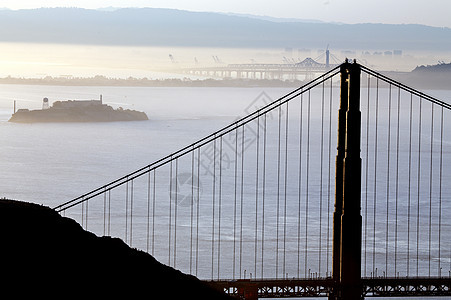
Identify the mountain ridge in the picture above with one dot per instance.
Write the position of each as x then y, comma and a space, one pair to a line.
170, 27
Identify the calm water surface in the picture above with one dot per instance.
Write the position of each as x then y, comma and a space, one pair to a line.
53, 163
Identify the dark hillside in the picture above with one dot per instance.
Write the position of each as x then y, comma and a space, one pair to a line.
44, 254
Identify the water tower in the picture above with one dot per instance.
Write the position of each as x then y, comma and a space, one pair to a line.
45, 103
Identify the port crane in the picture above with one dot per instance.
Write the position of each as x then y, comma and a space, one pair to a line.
172, 59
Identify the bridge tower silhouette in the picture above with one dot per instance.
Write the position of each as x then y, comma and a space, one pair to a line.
248, 207
347, 221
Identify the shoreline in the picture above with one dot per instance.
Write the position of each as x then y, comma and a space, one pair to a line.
419, 80
145, 82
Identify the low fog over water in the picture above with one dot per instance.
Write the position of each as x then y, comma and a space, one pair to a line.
41, 60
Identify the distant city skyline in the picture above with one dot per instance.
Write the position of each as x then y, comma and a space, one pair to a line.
431, 13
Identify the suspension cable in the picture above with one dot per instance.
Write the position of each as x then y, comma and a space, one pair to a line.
202, 142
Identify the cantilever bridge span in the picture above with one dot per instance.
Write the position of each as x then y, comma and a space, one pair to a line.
305, 69
277, 205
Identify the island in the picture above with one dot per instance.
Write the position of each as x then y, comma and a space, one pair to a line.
76, 111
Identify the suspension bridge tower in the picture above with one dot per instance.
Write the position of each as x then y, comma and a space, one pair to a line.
347, 221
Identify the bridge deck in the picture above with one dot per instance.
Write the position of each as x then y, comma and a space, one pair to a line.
321, 287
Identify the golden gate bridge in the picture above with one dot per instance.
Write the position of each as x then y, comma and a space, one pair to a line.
278, 205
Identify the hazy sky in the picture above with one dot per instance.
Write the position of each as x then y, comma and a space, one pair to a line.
430, 12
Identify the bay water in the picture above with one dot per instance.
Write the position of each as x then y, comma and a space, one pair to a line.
53, 163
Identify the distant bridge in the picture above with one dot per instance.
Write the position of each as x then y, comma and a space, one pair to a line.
304, 70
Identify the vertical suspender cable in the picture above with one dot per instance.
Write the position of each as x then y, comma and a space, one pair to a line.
219, 205
418, 185
440, 197
409, 185
213, 209
198, 209
375, 175
300, 185
449, 258
109, 212
131, 212
388, 179
366, 172
285, 193
263, 194
191, 213
148, 212
278, 193
82, 214
170, 213
321, 182
104, 212
397, 181
153, 210
307, 185
235, 203
86, 224
328, 180
256, 197
242, 195
175, 209
430, 185
126, 211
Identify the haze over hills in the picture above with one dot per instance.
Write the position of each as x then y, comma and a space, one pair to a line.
169, 27
275, 19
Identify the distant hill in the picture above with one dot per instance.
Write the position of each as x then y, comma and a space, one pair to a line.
426, 77
169, 27
274, 19
442, 68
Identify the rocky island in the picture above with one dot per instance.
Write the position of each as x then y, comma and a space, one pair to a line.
76, 111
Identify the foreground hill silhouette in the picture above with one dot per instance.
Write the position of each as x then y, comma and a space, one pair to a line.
45, 254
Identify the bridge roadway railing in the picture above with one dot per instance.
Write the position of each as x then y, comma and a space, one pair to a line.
322, 287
